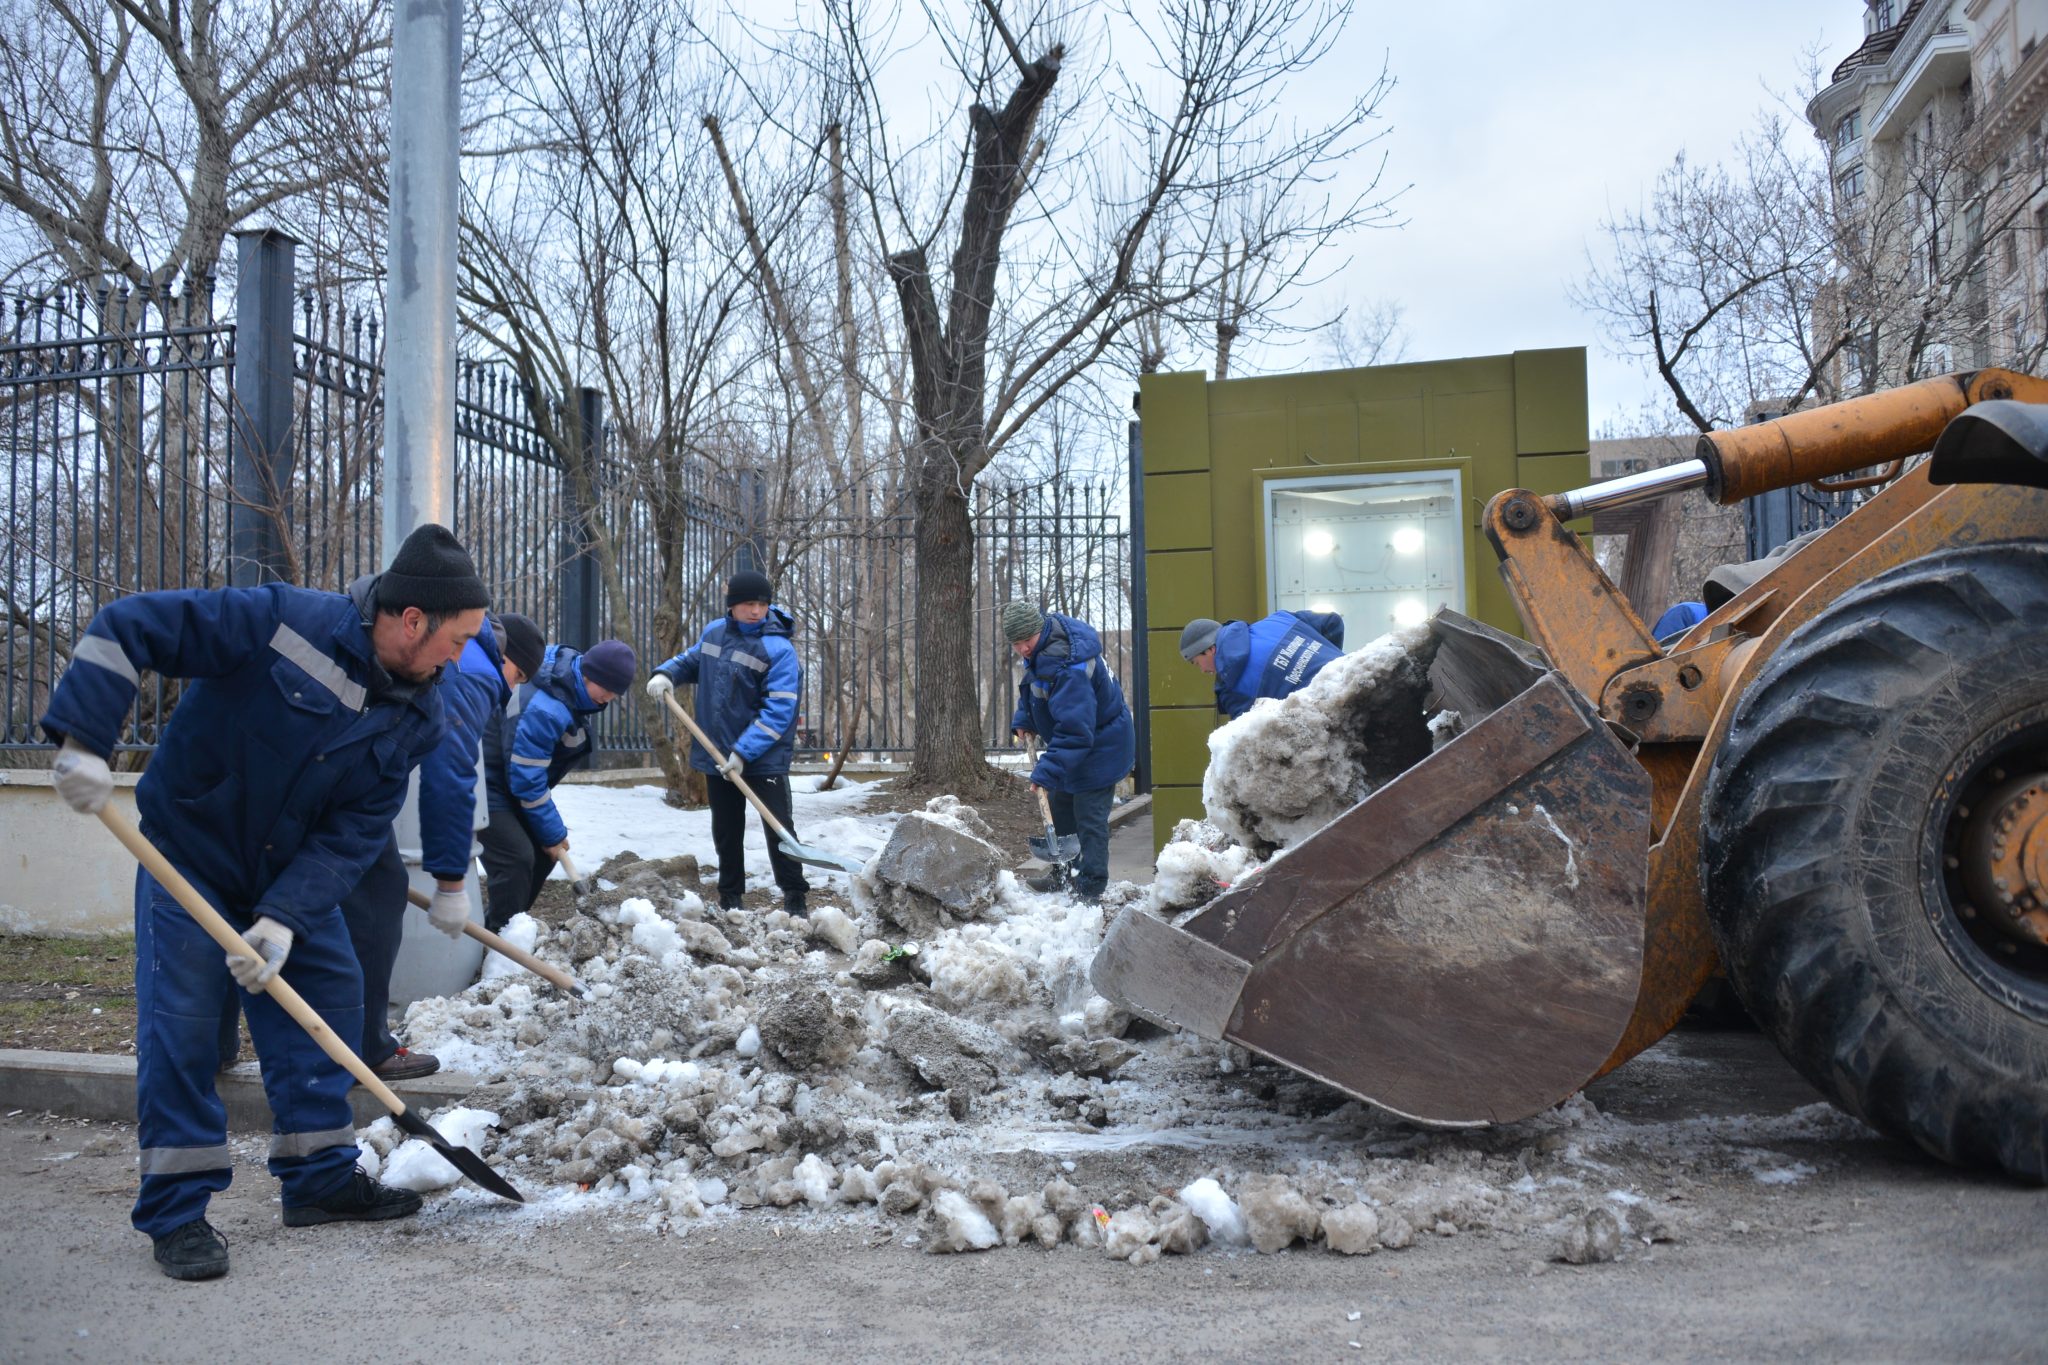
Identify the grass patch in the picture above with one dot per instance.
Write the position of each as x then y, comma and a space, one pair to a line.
68, 994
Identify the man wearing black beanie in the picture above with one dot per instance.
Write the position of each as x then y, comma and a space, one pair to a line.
749, 682
272, 790
430, 580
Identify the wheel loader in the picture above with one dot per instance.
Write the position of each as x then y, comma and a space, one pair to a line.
1833, 790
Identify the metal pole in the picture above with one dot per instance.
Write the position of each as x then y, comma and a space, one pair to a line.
419, 302
264, 279
580, 629
419, 381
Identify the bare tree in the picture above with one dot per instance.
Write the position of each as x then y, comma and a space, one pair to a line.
1765, 283
1069, 222
135, 137
1367, 334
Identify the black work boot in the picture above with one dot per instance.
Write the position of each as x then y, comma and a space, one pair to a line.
794, 904
192, 1251
1046, 883
361, 1200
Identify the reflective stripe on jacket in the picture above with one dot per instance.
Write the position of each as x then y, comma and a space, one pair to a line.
1068, 697
276, 780
749, 682
545, 733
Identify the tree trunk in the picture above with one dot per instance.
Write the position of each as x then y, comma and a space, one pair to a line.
948, 752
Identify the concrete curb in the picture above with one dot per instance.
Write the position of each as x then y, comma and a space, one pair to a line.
89, 1085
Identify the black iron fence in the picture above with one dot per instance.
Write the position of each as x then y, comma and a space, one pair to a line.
141, 456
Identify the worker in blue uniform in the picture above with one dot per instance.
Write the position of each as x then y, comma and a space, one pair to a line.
1269, 658
749, 682
545, 732
474, 691
272, 789
1068, 696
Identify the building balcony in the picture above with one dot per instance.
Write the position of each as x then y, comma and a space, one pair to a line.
1942, 64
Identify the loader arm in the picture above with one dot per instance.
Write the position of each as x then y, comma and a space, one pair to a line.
1675, 703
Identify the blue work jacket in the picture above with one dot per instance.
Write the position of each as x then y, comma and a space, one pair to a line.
545, 733
474, 694
749, 682
1273, 657
1068, 697
278, 776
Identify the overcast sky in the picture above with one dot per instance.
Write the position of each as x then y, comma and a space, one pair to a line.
1521, 125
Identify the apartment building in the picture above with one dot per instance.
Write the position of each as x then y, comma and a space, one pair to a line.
1934, 133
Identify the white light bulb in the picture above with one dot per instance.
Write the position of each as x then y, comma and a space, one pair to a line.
1322, 606
1410, 611
1408, 540
1318, 543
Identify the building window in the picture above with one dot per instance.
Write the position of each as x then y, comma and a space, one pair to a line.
1850, 186
1879, 17
1381, 550
1849, 129
2010, 251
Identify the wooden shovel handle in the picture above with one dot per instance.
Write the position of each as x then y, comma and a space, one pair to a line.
499, 945
712, 749
224, 934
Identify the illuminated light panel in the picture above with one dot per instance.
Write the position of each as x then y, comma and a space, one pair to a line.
1319, 543
1410, 611
1408, 540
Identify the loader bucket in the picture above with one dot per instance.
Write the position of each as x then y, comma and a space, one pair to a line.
1461, 947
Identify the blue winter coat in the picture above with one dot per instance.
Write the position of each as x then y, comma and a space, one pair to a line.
474, 695
1274, 657
1069, 698
278, 776
545, 733
749, 682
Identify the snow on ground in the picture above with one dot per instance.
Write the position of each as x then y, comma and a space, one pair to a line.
977, 1093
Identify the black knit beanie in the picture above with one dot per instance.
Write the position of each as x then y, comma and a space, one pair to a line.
748, 586
432, 572
610, 664
523, 644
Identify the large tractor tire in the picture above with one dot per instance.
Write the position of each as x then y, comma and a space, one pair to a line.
1875, 855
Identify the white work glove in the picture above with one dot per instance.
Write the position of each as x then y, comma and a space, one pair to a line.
448, 911
732, 766
82, 778
272, 942
659, 686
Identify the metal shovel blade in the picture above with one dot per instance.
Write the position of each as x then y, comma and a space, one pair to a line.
1055, 848
1463, 946
818, 857
461, 1158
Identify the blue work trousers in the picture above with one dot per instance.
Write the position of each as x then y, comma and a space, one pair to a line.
181, 975
1086, 814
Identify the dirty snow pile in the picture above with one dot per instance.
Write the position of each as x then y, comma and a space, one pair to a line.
1287, 767
929, 1058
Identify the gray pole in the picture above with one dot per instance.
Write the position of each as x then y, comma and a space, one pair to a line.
419, 384
419, 304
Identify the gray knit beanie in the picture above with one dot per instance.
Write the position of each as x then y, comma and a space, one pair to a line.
1020, 621
1198, 635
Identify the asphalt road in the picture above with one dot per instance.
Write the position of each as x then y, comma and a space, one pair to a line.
1877, 1255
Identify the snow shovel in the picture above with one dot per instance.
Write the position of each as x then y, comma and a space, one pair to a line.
579, 887
803, 853
512, 950
461, 1158
1053, 847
